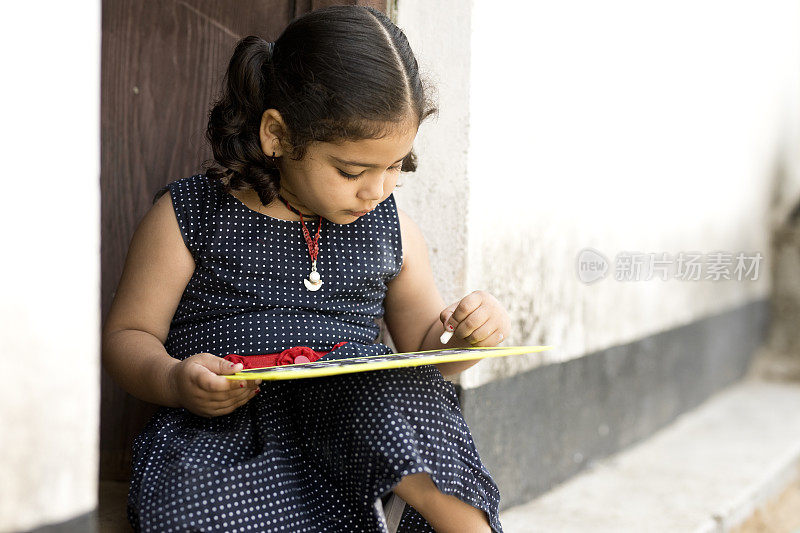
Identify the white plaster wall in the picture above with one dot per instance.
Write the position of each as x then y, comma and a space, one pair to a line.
50, 231
622, 126
437, 195
627, 126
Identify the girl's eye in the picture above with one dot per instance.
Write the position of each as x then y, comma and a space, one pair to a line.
349, 176
355, 176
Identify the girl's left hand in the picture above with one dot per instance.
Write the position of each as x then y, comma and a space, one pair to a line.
478, 318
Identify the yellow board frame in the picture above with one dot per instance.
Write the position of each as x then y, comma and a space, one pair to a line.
296, 371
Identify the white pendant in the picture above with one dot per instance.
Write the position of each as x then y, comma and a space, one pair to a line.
313, 283
312, 286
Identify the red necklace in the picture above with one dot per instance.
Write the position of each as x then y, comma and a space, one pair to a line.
313, 282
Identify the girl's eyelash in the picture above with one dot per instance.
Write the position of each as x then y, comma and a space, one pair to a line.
354, 176
350, 176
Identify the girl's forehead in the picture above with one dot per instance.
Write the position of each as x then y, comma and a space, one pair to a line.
390, 148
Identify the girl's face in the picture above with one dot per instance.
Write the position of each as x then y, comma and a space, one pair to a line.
338, 180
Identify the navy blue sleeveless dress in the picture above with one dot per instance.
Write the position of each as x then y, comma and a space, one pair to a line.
313, 454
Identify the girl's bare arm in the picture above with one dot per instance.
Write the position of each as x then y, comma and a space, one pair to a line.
157, 269
413, 302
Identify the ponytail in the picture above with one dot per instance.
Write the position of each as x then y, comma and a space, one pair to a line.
234, 121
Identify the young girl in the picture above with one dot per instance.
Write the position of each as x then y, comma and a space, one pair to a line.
292, 238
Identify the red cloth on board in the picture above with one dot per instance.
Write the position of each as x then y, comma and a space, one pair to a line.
290, 356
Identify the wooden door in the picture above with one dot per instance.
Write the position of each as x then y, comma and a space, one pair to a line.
162, 64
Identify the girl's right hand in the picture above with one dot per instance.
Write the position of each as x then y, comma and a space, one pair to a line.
202, 390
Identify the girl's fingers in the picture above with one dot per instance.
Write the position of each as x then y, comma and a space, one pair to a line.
494, 339
209, 382
463, 309
214, 384
224, 396
224, 407
447, 312
238, 384
481, 335
471, 324
238, 401
228, 395
243, 383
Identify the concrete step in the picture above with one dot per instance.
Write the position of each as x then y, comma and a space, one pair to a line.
708, 471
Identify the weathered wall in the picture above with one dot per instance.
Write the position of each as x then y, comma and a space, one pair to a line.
437, 195
622, 126
50, 227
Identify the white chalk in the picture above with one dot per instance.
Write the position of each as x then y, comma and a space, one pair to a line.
446, 336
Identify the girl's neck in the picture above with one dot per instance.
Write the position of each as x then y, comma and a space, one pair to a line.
291, 199
275, 209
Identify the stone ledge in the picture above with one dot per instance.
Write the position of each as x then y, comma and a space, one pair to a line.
539, 428
706, 472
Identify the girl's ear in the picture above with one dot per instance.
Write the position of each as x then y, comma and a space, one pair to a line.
271, 131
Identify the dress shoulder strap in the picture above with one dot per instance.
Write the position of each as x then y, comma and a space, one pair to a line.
195, 200
389, 225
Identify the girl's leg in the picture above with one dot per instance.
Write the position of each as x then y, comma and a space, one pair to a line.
444, 512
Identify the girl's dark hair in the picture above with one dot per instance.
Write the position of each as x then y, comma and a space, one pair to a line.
341, 73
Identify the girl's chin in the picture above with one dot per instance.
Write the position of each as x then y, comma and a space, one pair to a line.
341, 219
349, 218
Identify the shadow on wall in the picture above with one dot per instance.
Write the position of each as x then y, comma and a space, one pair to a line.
779, 359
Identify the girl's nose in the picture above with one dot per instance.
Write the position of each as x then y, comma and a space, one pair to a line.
373, 188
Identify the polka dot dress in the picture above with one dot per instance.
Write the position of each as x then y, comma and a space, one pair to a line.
309, 455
